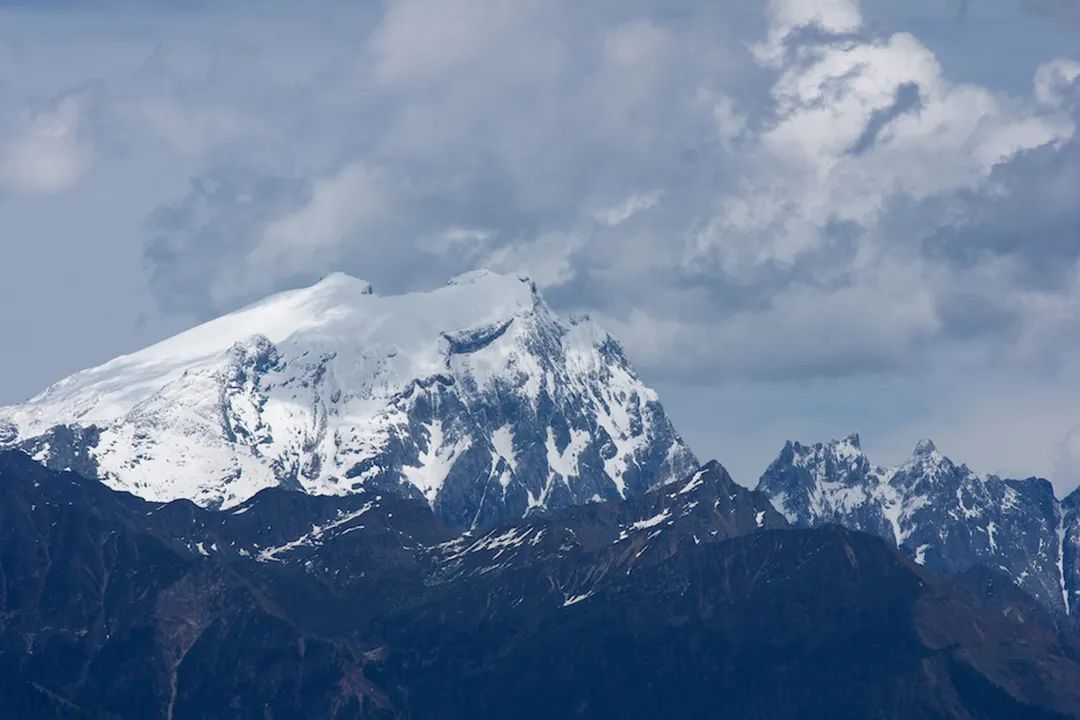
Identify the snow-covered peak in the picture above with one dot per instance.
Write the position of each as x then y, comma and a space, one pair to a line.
846, 452
484, 275
924, 448
946, 516
343, 281
928, 465
848, 447
332, 387
338, 315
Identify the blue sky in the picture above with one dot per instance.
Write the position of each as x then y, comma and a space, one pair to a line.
801, 218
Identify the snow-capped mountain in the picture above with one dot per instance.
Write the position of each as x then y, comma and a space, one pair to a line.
475, 396
942, 514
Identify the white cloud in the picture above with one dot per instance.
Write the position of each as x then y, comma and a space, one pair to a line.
519, 136
48, 154
805, 173
636, 44
1053, 78
546, 259
802, 331
344, 209
192, 129
731, 123
1066, 458
422, 41
621, 212
542, 137
834, 17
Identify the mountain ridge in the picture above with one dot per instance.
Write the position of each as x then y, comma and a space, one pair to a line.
367, 606
942, 514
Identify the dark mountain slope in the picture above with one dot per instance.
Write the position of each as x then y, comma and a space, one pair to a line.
107, 613
780, 624
691, 601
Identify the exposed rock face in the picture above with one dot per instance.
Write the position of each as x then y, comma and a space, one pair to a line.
475, 397
943, 515
672, 604
1070, 549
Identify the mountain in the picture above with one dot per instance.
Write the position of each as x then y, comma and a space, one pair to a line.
705, 508
692, 600
475, 397
943, 515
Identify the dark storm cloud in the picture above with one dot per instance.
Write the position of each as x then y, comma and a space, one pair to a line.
1029, 215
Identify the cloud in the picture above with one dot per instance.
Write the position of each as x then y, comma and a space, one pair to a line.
621, 212
549, 258
346, 208
1067, 459
802, 332
49, 152
198, 239
190, 129
539, 122
862, 127
789, 17
864, 201
908, 99
419, 42
718, 183
1055, 81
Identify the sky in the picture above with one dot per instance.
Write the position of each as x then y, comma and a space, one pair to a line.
801, 218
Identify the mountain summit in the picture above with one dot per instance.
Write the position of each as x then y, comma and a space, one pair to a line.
943, 515
475, 397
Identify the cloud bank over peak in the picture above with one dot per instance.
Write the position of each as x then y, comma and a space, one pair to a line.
775, 194
688, 178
